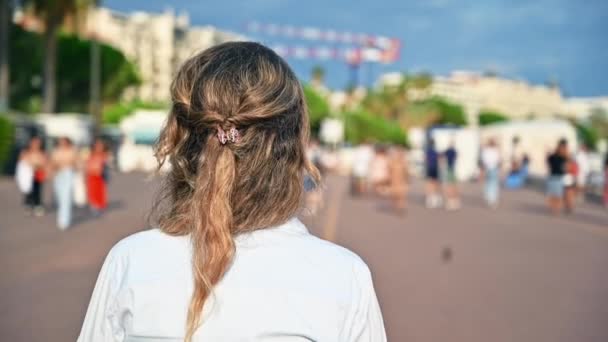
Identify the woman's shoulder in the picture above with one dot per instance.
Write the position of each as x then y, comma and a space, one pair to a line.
146, 243
332, 254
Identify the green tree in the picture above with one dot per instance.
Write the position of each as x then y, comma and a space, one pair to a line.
318, 108
421, 81
392, 101
117, 73
445, 112
361, 125
7, 133
317, 75
53, 13
599, 121
587, 134
488, 117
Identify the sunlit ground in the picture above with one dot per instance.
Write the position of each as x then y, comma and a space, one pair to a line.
515, 274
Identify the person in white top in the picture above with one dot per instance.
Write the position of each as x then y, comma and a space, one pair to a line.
379, 170
362, 159
490, 167
229, 261
584, 168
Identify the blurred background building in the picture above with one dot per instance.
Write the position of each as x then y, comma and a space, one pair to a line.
477, 92
157, 42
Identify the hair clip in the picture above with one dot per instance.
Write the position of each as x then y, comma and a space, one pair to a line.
232, 135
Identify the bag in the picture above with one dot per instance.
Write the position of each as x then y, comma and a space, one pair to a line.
24, 176
568, 180
80, 191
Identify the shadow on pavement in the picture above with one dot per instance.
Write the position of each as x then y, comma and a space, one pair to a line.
83, 215
579, 215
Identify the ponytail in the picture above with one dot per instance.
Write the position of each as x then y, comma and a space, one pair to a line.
213, 246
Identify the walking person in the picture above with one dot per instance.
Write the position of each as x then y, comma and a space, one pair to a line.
431, 163
398, 175
570, 183
63, 162
362, 159
35, 158
490, 167
378, 170
230, 260
556, 163
451, 195
584, 168
96, 174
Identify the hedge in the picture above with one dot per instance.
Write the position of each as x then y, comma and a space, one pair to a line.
318, 108
115, 113
490, 117
361, 125
7, 134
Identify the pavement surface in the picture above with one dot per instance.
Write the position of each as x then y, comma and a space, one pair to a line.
512, 274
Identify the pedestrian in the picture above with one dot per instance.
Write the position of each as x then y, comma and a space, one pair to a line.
97, 176
584, 168
35, 158
80, 182
362, 158
230, 260
431, 162
570, 183
490, 168
398, 174
451, 195
63, 162
378, 173
556, 163
517, 154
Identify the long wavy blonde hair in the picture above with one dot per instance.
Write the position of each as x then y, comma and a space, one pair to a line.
216, 191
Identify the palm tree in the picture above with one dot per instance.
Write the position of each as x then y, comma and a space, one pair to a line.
6, 9
53, 13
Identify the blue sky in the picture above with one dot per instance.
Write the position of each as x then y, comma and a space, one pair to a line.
535, 40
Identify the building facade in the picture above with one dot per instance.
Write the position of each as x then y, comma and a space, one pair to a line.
158, 43
477, 93
583, 107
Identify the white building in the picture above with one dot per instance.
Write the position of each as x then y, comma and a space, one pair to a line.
476, 92
158, 43
581, 107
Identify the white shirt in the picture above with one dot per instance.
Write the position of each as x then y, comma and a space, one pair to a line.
284, 285
362, 159
490, 158
582, 160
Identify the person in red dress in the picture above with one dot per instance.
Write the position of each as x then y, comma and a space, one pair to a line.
96, 182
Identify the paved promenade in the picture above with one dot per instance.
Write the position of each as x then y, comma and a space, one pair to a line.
475, 275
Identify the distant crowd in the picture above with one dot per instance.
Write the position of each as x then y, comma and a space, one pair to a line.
384, 170
79, 176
